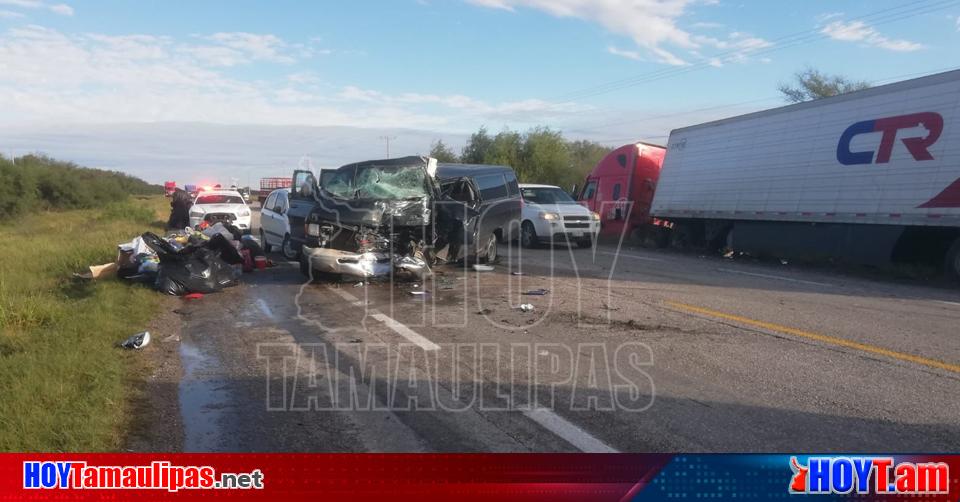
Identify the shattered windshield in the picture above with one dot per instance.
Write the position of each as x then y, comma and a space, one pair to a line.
378, 182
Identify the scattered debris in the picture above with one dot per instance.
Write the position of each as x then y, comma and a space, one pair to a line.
517, 273
482, 268
526, 307
193, 296
358, 285
485, 312
784, 262
536, 292
99, 271
138, 341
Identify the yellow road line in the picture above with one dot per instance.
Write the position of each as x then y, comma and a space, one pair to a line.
832, 340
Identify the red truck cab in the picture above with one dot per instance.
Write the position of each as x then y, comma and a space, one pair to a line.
621, 186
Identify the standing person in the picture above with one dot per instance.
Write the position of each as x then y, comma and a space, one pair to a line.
180, 205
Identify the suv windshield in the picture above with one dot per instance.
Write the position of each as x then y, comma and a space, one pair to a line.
546, 195
219, 199
377, 182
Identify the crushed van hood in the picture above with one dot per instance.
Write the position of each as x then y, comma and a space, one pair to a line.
364, 235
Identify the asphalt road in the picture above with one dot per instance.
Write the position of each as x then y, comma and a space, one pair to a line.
630, 350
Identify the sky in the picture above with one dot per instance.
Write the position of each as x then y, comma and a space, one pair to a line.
134, 86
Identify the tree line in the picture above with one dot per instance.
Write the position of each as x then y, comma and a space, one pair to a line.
36, 182
539, 155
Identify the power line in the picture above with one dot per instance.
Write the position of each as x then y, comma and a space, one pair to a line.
900, 12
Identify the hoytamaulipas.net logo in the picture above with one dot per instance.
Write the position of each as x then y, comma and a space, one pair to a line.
158, 475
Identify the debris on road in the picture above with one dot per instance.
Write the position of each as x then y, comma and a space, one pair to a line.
185, 261
482, 268
517, 273
536, 292
526, 307
138, 341
193, 296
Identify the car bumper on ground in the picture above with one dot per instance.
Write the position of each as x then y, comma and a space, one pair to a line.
334, 261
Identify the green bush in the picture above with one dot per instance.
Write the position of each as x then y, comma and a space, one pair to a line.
36, 182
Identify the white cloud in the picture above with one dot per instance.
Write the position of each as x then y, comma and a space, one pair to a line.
59, 8
50, 77
858, 31
651, 24
9, 14
634, 55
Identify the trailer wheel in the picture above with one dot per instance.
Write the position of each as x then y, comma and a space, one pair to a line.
951, 264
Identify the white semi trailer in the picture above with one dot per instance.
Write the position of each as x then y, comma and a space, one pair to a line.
869, 177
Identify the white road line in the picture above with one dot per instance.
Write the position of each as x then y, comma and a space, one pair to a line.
262, 304
955, 304
632, 256
776, 277
568, 431
406, 332
353, 300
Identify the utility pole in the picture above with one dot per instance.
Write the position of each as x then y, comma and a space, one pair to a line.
387, 140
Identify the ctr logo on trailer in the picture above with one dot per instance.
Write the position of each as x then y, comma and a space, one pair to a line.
916, 145
864, 475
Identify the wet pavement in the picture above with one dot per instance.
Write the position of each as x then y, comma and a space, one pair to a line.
720, 356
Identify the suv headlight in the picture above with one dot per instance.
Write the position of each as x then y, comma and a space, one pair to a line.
550, 216
244, 212
595, 216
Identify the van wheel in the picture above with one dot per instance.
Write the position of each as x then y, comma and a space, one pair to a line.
528, 235
289, 250
305, 265
263, 242
490, 252
951, 264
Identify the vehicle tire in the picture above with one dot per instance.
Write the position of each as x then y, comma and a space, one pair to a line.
305, 265
263, 242
951, 265
490, 250
586, 243
289, 250
528, 235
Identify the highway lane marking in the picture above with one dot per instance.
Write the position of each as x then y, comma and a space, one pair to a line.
570, 433
777, 277
830, 340
397, 326
405, 332
955, 304
352, 300
632, 256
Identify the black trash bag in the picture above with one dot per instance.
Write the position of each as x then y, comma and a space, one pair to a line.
191, 269
222, 246
252, 246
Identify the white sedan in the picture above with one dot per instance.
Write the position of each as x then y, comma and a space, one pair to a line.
551, 215
226, 206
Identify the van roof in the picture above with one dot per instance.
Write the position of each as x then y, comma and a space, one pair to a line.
453, 170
